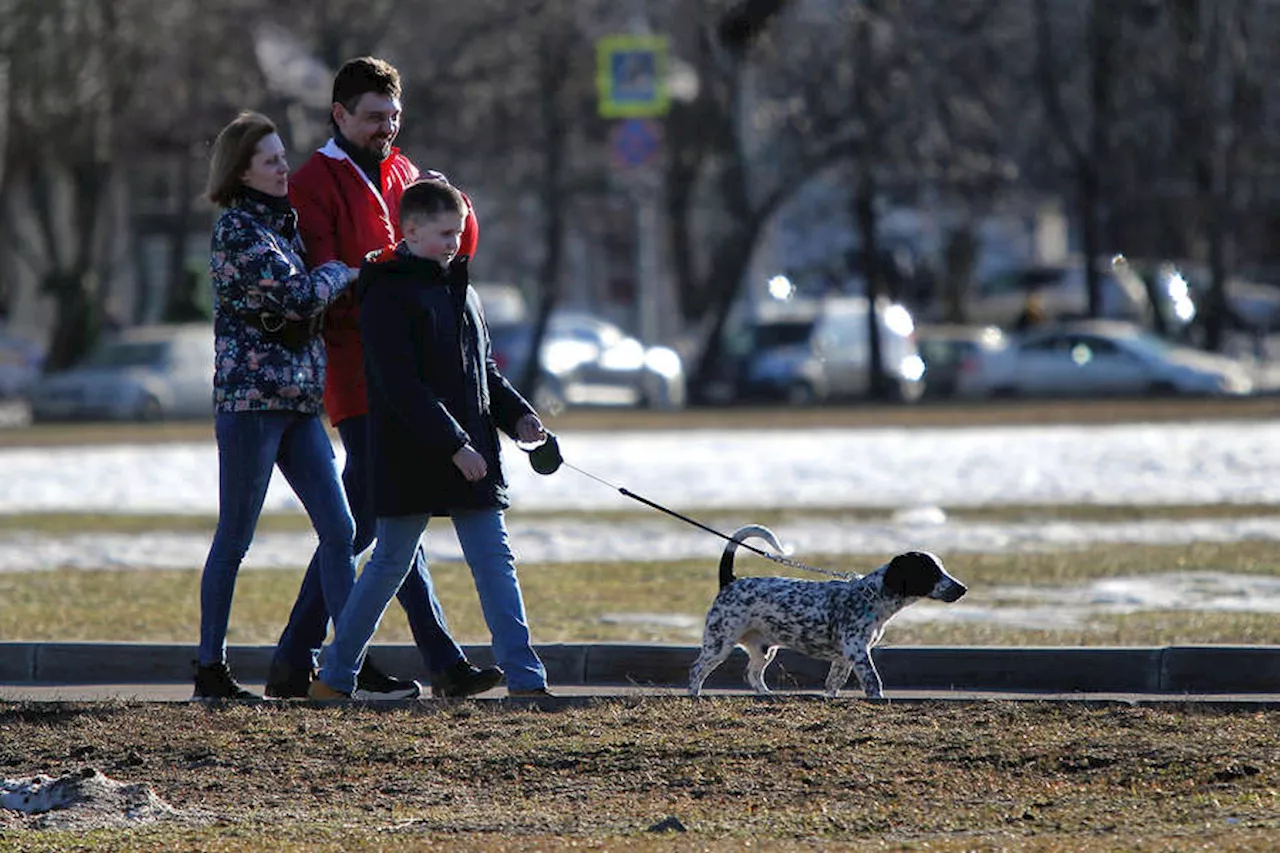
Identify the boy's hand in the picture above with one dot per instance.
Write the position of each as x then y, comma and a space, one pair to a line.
529, 430
470, 463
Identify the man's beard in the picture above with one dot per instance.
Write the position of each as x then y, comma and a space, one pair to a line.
380, 148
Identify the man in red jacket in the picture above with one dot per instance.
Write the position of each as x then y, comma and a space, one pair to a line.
347, 195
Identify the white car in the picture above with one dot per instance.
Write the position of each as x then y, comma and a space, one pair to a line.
588, 361
145, 373
1096, 358
823, 353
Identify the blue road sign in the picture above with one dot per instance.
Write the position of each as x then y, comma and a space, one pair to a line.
636, 142
631, 76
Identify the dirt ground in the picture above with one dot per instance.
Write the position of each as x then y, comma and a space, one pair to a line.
786, 773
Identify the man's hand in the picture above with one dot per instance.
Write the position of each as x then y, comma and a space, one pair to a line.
529, 430
470, 463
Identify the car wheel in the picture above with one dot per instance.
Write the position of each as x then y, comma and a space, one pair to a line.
662, 394
910, 392
801, 394
149, 410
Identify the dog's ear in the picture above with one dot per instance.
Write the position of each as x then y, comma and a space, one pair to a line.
913, 574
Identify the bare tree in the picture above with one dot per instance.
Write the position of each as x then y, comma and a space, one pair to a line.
738, 151
518, 103
869, 87
73, 65
1219, 82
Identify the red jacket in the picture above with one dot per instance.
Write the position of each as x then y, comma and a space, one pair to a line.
342, 217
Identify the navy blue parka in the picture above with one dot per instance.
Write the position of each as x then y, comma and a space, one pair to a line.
433, 386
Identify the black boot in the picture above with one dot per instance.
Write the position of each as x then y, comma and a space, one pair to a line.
288, 682
215, 682
374, 684
463, 679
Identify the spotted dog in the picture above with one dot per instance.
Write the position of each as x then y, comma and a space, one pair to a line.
837, 620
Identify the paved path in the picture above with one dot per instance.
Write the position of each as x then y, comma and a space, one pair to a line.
584, 694
66, 671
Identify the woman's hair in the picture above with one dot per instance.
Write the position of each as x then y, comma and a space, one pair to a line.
430, 196
232, 154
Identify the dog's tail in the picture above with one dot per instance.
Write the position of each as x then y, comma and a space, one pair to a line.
741, 535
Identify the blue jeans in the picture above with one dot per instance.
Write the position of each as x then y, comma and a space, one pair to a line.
483, 536
250, 445
299, 644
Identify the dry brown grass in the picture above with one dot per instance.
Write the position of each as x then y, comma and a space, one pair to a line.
786, 773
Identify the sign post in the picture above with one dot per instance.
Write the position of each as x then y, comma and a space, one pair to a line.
631, 76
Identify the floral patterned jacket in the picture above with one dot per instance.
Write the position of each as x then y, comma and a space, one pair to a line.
257, 266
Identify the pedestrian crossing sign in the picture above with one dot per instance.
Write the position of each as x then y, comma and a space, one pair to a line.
631, 75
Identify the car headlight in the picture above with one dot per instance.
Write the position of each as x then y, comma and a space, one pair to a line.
911, 368
625, 357
898, 320
1235, 383
664, 362
563, 356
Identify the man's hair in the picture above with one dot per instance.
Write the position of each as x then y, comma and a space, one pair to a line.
431, 196
361, 75
232, 154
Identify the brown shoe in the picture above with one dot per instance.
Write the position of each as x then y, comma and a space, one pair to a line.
322, 692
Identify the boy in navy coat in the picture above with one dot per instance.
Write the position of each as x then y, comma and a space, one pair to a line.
436, 403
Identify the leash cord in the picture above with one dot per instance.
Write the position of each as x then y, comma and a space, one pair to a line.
777, 558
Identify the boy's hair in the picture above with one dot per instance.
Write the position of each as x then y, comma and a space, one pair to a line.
430, 196
232, 153
361, 75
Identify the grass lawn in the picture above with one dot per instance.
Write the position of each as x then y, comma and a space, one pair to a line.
606, 601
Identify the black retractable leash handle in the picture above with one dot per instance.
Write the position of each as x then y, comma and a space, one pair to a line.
546, 459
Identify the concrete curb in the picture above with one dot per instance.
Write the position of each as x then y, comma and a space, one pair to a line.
1167, 669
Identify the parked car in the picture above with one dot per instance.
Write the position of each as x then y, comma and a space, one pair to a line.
955, 357
1059, 292
809, 353
21, 361
146, 373
588, 361
1102, 358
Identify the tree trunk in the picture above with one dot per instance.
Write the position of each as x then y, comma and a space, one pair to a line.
181, 305
865, 215
961, 253
723, 281
553, 212
75, 322
1102, 42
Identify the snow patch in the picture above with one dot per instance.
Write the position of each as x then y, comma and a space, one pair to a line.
83, 800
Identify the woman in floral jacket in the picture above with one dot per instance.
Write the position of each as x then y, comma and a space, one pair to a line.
268, 381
